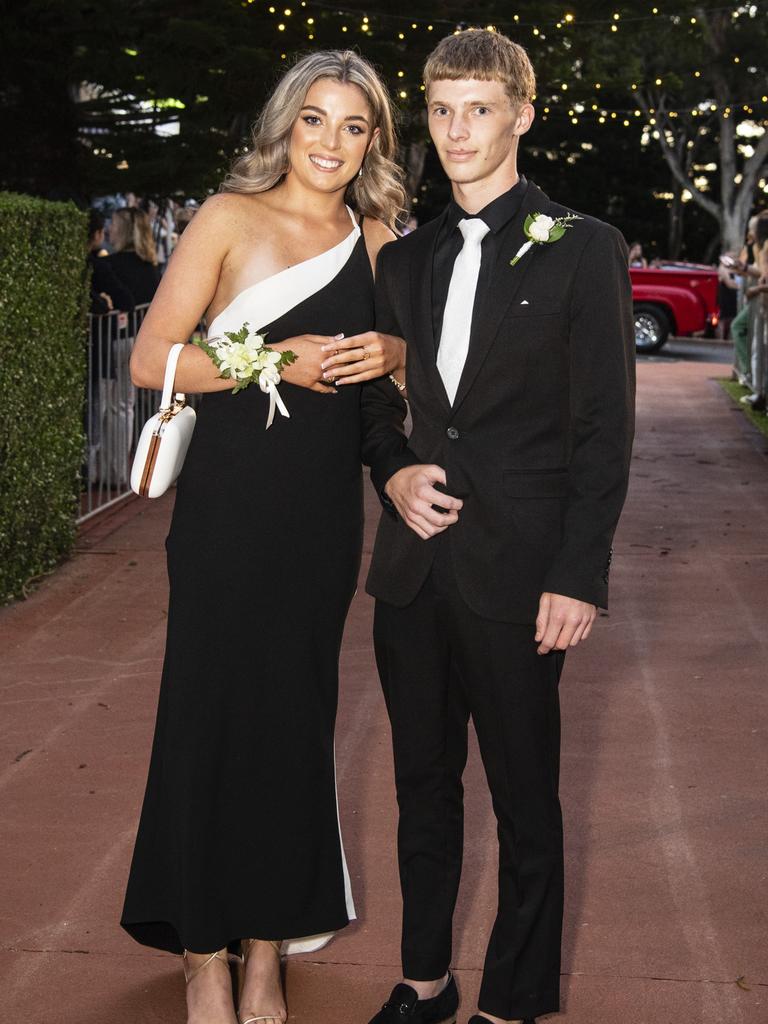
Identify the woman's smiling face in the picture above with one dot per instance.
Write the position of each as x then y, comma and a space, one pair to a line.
331, 135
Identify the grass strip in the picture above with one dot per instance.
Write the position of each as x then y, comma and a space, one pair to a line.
734, 390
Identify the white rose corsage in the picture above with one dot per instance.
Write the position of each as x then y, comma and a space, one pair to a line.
539, 228
243, 357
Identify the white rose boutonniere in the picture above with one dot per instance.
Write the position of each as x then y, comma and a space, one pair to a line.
540, 229
243, 357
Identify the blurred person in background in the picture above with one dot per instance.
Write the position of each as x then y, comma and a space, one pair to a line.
134, 263
107, 291
728, 288
161, 219
107, 294
757, 294
134, 257
183, 217
636, 258
742, 324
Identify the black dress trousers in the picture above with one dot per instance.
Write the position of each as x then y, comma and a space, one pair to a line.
439, 663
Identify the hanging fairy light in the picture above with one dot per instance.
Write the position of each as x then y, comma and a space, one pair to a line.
375, 21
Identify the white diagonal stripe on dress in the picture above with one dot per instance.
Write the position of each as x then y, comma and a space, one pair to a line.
457, 319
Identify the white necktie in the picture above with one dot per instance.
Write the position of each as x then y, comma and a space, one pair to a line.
457, 319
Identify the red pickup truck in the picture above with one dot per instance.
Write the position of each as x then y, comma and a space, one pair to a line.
673, 299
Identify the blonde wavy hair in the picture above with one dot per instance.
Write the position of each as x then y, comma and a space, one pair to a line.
377, 192
131, 231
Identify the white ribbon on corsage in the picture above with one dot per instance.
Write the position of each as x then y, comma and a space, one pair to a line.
268, 380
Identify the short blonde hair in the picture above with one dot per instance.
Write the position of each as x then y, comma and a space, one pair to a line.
486, 55
378, 192
131, 231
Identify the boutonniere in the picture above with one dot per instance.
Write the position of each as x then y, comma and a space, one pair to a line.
539, 229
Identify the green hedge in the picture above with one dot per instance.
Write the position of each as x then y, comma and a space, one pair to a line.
43, 305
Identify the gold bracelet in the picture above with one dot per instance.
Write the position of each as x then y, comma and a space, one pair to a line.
396, 382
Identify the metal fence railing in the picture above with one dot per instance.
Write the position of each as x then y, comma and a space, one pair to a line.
115, 410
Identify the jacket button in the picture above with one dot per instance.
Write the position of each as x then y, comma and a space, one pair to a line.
453, 433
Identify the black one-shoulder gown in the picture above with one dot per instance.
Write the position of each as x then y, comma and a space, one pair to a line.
239, 833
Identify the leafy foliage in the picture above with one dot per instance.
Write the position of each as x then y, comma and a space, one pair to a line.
43, 291
244, 357
87, 89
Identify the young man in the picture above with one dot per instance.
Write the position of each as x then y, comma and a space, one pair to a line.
494, 548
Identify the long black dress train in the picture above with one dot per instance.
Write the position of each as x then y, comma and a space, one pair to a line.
239, 832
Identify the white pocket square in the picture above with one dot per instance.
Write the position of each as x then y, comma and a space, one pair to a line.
525, 302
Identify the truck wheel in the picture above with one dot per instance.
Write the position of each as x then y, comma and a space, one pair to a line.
651, 327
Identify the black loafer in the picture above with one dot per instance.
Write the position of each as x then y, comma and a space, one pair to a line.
404, 1005
477, 1019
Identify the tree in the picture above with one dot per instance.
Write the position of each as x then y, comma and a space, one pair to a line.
699, 78
160, 99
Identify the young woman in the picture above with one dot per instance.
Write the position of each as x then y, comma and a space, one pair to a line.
239, 839
134, 256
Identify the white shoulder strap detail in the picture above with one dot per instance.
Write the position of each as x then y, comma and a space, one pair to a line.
170, 374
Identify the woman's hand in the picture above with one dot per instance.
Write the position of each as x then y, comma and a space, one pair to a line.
363, 357
307, 371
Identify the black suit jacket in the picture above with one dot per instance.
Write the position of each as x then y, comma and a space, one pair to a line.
537, 443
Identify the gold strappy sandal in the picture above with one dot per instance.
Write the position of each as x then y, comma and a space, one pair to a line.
246, 946
192, 972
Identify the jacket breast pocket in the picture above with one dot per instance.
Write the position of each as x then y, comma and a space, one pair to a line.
535, 484
533, 310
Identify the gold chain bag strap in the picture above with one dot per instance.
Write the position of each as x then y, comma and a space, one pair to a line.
164, 438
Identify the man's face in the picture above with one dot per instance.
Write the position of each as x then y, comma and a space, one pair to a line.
474, 127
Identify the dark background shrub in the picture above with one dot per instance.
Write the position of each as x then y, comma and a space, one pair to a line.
43, 287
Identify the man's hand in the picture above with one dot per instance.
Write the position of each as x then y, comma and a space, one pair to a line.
413, 493
562, 622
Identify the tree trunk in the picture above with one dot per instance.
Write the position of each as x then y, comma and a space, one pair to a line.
676, 215
733, 229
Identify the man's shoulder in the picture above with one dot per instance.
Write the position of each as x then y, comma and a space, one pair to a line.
592, 227
402, 248
591, 223
587, 237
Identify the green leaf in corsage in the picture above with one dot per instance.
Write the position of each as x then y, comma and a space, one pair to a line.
243, 357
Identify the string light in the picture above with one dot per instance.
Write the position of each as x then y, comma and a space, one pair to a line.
569, 18
568, 21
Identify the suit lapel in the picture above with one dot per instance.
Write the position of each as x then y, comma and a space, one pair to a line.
420, 280
503, 287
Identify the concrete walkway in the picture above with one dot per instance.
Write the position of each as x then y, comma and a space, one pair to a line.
664, 765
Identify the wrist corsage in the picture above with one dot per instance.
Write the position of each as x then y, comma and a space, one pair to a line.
243, 357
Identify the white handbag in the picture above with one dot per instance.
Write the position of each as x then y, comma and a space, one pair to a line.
164, 438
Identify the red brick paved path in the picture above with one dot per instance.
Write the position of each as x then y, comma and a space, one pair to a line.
664, 765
